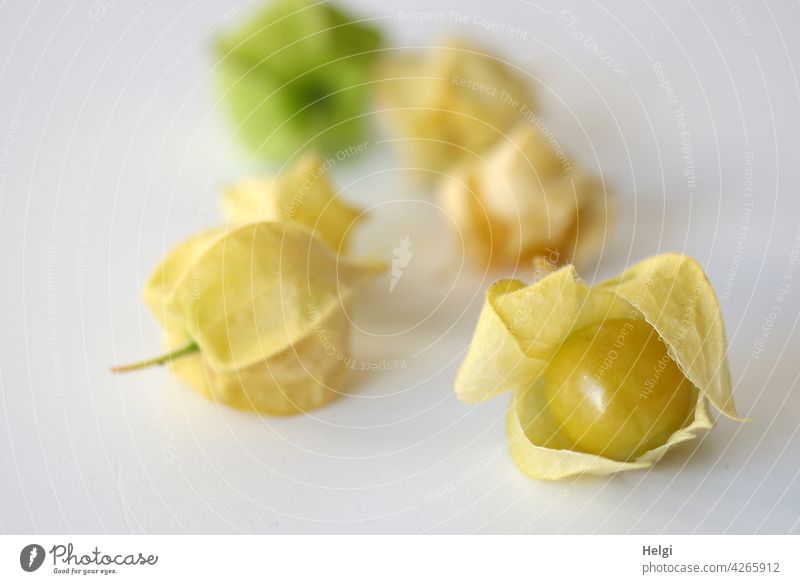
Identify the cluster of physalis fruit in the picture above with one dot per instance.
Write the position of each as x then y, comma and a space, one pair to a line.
604, 378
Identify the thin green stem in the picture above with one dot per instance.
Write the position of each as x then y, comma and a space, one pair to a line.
187, 349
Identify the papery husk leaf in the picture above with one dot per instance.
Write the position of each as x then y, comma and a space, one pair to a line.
440, 121
255, 292
523, 201
303, 194
674, 295
302, 377
518, 328
494, 363
172, 269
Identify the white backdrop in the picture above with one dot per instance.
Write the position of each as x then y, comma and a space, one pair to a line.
113, 148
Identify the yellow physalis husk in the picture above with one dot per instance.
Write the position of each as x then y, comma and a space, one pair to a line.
451, 102
266, 305
521, 327
303, 194
524, 200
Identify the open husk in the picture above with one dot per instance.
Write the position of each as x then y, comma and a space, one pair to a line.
522, 326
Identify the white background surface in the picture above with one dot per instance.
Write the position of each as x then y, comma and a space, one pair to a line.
113, 149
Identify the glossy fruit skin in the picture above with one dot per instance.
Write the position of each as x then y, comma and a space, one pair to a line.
614, 391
